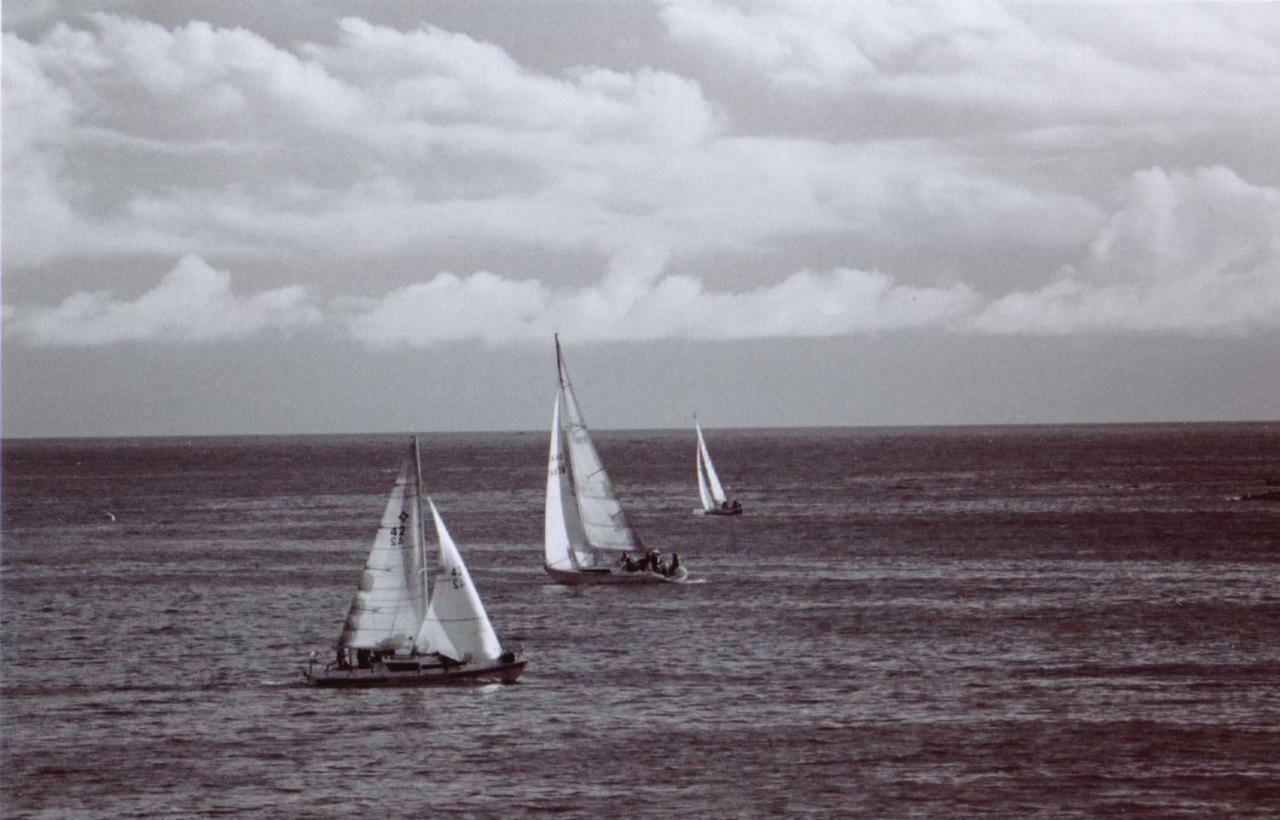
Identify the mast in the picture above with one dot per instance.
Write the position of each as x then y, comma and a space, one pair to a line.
561, 375
422, 525
570, 484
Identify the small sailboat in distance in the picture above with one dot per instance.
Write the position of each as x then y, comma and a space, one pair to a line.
403, 629
587, 537
710, 491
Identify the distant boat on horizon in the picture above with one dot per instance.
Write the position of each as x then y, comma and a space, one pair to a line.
401, 629
587, 537
710, 491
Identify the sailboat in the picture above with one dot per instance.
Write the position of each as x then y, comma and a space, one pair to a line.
710, 491
587, 539
410, 624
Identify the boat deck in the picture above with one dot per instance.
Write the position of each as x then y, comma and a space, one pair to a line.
413, 673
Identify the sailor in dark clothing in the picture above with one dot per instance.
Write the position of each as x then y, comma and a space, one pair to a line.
675, 563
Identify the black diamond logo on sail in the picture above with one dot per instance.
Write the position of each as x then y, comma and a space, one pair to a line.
404, 516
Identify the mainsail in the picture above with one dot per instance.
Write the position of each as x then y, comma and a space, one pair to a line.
709, 489
391, 600
602, 520
456, 624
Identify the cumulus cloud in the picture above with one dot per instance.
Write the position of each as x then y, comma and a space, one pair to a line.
134, 137
637, 300
1182, 252
192, 303
124, 136
1195, 252
793, 46
200, 139
1040, 62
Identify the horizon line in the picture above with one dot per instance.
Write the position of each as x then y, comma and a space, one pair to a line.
527, 431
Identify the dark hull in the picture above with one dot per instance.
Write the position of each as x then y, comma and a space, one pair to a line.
717, 511
611, 576
434, 675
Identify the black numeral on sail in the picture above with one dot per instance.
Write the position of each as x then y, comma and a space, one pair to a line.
397, 533
457, 579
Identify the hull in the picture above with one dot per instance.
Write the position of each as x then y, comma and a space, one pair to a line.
610, 576
718, 511
413, 675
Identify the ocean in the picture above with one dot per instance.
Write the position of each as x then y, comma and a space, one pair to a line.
1070, 621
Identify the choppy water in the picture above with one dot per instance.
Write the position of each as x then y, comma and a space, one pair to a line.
1072, 621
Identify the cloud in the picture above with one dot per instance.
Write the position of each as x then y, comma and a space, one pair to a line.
133, 137
192, 303
1039, 62
790, 45
637, 301
962, 147
207, 140
1196, 252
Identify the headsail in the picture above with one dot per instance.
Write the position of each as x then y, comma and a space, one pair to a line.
562, 534
391, 600
604, 523
456, 624
713, 480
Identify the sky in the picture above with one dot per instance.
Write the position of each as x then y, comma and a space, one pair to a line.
312, 216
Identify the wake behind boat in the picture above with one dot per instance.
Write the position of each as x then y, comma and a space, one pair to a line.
405, 630
710, 491
587, 539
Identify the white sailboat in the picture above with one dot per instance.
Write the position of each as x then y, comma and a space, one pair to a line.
404, 630
587, 538
710, 491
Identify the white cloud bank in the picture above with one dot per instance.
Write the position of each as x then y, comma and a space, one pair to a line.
633, 304
635, 300
192, 303
1048, 61
1197, 252
127, 137
1194, 252
1008, 124
130, 137
1191, 252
